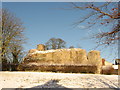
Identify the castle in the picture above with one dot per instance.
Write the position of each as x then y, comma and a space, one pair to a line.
74, 57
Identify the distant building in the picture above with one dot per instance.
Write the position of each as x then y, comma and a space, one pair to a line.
117, 61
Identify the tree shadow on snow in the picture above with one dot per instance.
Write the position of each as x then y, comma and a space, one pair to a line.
52, 84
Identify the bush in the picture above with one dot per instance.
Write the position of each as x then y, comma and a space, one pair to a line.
60, 68
108, 69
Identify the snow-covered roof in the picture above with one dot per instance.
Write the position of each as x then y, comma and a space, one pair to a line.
115, 66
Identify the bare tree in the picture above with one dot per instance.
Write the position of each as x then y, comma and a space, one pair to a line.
55, 43
71, 47
12, 37
102, 14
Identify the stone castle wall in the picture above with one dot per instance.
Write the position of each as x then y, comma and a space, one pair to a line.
63, 56
73, 58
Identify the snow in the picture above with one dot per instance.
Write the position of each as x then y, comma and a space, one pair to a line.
115, 66
48, 51
57, 50
63, 80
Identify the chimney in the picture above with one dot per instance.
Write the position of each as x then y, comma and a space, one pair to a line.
103, 61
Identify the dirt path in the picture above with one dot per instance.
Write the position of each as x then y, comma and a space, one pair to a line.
56, 80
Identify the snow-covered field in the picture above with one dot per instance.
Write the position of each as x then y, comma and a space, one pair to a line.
56, 80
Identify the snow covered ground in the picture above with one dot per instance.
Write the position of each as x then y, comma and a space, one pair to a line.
56, 80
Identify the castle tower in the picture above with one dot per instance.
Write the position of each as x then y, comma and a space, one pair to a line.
41, 47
